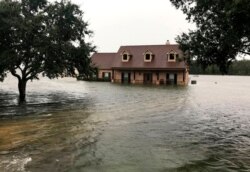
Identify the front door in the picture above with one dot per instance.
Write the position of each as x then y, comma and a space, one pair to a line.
106, 76
125, 77
147, 78
171, 78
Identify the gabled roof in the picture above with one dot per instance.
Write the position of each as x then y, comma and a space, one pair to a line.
137, 52
159, 61
103, 60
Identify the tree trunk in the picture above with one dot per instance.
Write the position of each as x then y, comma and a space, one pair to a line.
22, 90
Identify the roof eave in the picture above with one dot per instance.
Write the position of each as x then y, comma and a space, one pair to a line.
138, 68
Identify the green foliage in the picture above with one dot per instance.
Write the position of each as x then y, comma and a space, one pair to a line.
42, 37
223, 31
38, 37
241, 67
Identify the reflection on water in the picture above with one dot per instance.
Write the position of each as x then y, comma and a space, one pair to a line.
87, 126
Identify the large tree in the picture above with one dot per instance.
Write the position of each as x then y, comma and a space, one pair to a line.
38, 38
223, 31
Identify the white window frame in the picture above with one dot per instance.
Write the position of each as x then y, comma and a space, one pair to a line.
128, 56
151, 56
168, 56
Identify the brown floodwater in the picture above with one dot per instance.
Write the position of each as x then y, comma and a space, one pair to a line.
69, 125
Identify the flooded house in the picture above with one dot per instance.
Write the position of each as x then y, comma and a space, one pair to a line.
143, 64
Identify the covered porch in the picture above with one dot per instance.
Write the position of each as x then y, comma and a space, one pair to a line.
157, 77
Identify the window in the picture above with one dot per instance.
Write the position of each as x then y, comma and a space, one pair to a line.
172, 56
148, 56
125, 56
106, 75
171, 76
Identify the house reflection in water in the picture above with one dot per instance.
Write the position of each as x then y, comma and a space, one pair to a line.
143, 64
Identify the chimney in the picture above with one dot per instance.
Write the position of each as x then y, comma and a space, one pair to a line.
168, 42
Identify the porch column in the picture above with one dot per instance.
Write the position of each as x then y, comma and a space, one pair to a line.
184, 76
133, 77
112, 78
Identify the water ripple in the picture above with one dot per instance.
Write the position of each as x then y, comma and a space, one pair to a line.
86, 126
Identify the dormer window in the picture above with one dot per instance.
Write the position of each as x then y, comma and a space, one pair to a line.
172, 56
148, 56
125, 56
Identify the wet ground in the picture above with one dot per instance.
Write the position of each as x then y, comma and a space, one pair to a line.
87, 126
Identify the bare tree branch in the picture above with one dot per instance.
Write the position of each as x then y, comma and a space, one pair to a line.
13, 72
243, 52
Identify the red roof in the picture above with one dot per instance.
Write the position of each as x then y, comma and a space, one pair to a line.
103, 60
159, 62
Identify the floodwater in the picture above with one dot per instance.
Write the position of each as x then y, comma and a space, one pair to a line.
69, 125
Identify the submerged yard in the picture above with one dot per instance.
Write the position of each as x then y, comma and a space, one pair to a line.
89, 126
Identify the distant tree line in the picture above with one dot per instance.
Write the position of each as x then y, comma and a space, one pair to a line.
241, 67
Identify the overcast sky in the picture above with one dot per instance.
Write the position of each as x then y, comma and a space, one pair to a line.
132, 22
